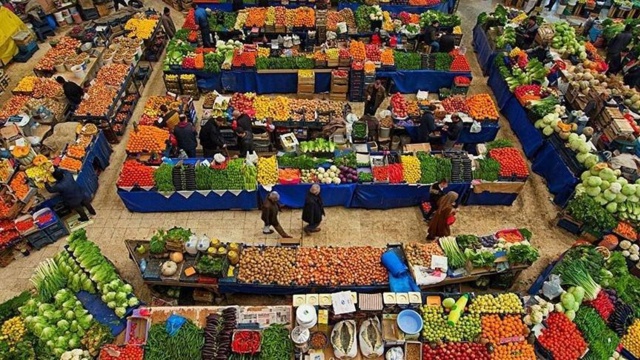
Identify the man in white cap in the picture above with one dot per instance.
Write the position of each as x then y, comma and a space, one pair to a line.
270, 210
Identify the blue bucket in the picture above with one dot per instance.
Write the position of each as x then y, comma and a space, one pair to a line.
410, 322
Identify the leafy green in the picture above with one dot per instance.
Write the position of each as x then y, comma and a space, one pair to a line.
596, 219
302, 162
443, 61
540, 108
468, 241
157, 242
499, 143
277, 63
9, 308
211, 265
522, 254
407, 60
480, 258
602, 340
163, 177
591, 259
488, 169
446, 20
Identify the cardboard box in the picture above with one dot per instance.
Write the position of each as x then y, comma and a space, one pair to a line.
415, 148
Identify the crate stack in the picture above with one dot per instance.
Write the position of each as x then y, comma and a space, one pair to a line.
184, 177
306, 84
49, 229
172, 83
427, 62
339, 86
27, 45
321, 26
356, 85
189, 86
369, 79
619, 129
262, 142
4, 81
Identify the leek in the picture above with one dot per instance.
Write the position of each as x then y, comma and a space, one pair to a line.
455, 257
574, 274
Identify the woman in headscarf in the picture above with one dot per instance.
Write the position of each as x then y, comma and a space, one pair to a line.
440, 224
313, 210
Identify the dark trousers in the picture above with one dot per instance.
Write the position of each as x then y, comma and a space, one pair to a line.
278, 228
190, 152
80, 209
615, 63
311, 227
204, 29
117, 3
550, 4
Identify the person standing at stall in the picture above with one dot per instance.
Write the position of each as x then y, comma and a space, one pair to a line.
427, 124
245, 141
375, 94
527, 33
447, 43
168, 119
185, 135
72, 91
444, 217
211, 139
72, 194
202, 19
313, 210
616, 46
431, 36
270, 210
453, 131
436, 192
167, 23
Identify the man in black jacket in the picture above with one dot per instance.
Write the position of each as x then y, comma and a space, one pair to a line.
453, 131
72, 91
72, 194
211, 139
431, 36
616, 46
313, 210
427, 124
245, 141
185, 135
436, 192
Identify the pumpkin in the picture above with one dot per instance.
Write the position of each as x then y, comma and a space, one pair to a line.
564, 127
176, 257
20, 151
169, 268
39, 160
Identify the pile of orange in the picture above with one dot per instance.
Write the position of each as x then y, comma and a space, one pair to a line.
481, 106
71, 164
514, 351
76, 151
495, 329
147, 139
357, 50
256, 17
19, 185
386, 57
305, 17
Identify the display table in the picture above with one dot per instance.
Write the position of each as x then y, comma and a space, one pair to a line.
389, 196
446, 7
560, 180
488, 133
286, 81
293, 196
153, 201
498, 193
484, 52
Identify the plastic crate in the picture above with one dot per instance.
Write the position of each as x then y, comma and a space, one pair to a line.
38, 240
58, 234
27, 48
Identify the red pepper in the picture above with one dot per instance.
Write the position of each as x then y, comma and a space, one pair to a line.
395, 173
246, 342
603, 305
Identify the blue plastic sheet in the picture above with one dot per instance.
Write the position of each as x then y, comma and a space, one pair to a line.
151, 201
489, 132
386, 196
500, 89
530, 138
484, 52
490, 198
227, 6
412, 81
444, 7
293, 196
102, 313
560, 179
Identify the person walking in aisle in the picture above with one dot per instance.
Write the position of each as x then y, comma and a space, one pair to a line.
185, 135
117, 3
202, 19
167, 23
616, 46
444, 217
270, 210
313, 210
210, 137
72, 194
375, 94
436, 192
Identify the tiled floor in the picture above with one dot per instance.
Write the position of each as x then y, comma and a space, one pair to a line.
342, 227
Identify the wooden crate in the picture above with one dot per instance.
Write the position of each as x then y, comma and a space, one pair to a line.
344, 62
332, 62
339, 89
306, 88
338, 97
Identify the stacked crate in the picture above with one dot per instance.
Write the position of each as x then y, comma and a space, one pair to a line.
172, 83
306, 85
339, 87
356, 85
189, 86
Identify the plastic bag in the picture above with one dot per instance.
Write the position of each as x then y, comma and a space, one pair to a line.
371, 329
476, 127
342, 27
174, 323
251, 157
551, 288
395, 353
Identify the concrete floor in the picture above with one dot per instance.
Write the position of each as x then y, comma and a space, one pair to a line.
342, 227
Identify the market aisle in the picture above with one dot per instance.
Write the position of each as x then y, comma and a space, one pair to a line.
114, 223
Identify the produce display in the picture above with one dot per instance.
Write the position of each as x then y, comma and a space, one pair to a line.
66, 47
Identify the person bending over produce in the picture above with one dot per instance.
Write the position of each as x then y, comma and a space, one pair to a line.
270, 210
72, 194
210, 137
169, 118
431, 36
527, 33
616, 46
241, 120
444, 217
72, 91
245, 141
203, 23
185, 135
375, 95
167, 23
313, 210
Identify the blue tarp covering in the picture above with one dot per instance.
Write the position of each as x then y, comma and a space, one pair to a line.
385, 196
530, 138
151, 201
500, 88
293, 196
489, 132
484, 52
411, 81
444, 7
560, 179
489, 198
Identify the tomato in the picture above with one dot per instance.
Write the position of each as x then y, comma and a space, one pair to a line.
562, 338
511, 162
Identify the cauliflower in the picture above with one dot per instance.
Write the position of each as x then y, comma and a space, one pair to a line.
625, 244
615, 188
634, 257
634, 249
626, 253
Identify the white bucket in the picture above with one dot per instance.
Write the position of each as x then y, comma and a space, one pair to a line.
65, 12
60, 67
560, 9
58, 16
78, 71
68, 19
306, 316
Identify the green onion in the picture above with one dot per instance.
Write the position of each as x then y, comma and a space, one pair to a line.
455, 257
574, 274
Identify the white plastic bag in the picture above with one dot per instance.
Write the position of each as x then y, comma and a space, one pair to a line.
341, 350
395, 353
370, 330
342, 27
476, 127
251, 158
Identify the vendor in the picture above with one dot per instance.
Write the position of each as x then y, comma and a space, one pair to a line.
616, 46
431, 36
540, 52
210, 137
447, 43
72, 194
72, 91
527, 33
427, 124
631, 72
203, 23
169, 118
167, 23
245, 141
237, 5
453, 131
185, 134
241, 120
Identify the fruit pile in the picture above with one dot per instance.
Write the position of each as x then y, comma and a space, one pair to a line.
399, 106
514, 351
357, 50
147, 139
380, 173
13, 106
436, 327
460, 63
190, 21
152, 108
267, 170
140, 28
46, 88
243, 102
562, 338
454, 104
340, 266
134, 173
411, 169
98, 101
631, 341
26, 84
71, 164
508, 303
511, 162
495, 329
66, 47
19, 185
76, 151
482, 107
256, 17
395, 173
455, 351
244, 58
304, 17
113, 74
387, 57
372, 52
275, 108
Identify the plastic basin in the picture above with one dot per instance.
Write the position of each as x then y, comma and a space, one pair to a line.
410, 322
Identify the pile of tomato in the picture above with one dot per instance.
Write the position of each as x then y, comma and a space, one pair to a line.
460, 63
127, 352
562, 338
456, 351
25, 225
511, 162
395, 173
134, 173
380, 173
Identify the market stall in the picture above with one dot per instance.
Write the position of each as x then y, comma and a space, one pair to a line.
446, 7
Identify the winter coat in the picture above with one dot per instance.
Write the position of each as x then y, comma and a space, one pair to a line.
270, 210
71, 193
210, 136
186, 136
313, 209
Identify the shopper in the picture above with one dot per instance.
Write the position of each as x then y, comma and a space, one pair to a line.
313, 210
427, 124
444, 217
436, 192
169, 118
185, 135
245, 141
72, 91
447, 43
210, 137
453, 131
270, 210
375, 95
241, 120
527, 33
616, 46
431, 36
203, 23
167, 23
72, 194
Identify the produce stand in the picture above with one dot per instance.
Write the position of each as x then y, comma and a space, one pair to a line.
446, 7
153, 201
227, 6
